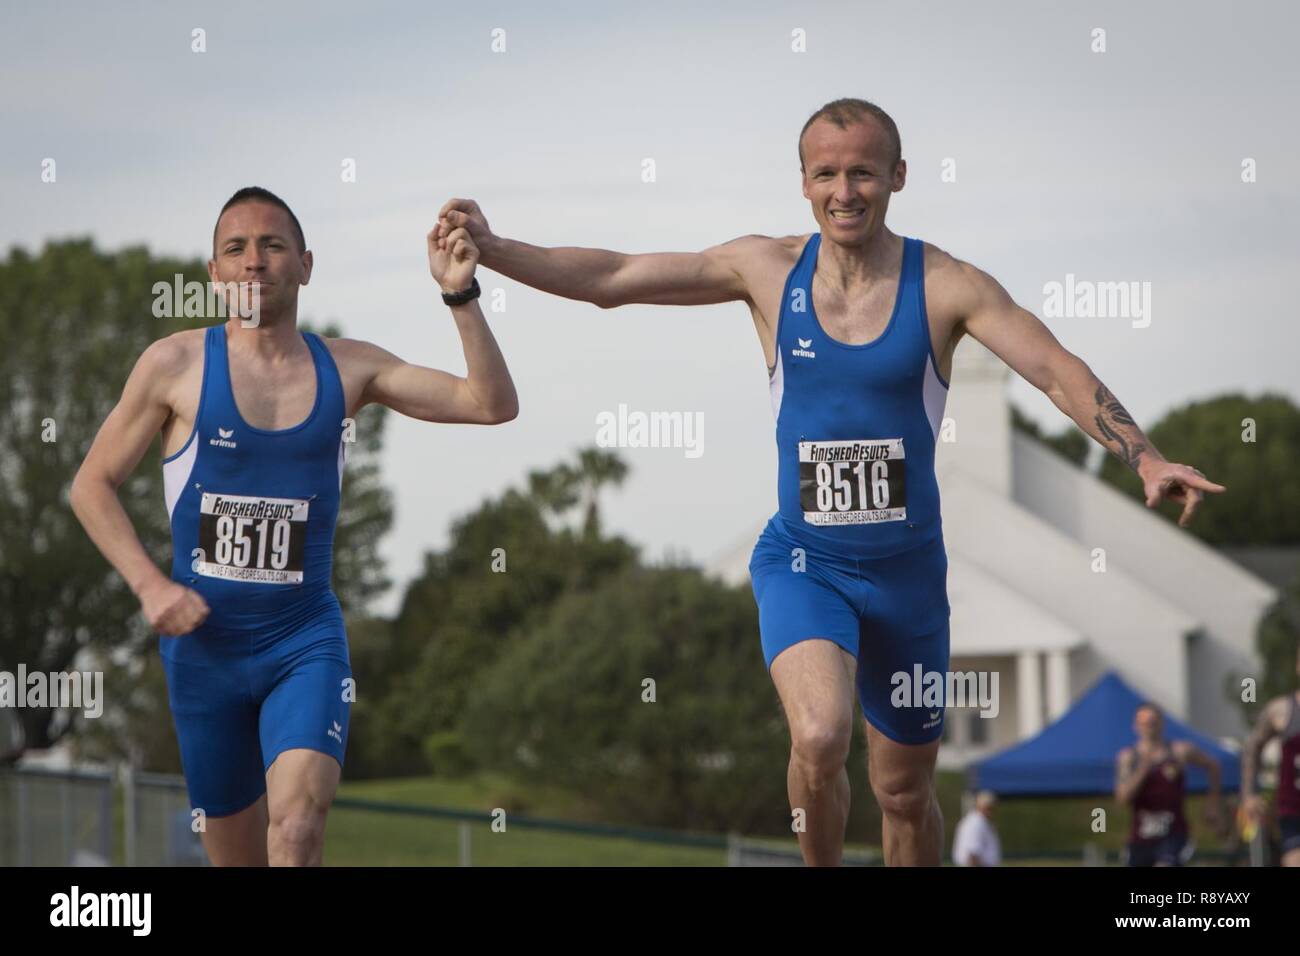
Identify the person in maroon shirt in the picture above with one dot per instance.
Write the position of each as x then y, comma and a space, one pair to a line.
1151, 776
1281, 718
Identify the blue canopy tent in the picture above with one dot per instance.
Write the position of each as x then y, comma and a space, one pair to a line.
1075, 755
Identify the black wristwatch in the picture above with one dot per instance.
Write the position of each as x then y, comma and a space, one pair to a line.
460, 298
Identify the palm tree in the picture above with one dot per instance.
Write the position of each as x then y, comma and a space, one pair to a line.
596, 469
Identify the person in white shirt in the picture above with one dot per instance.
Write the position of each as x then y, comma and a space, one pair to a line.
976, 841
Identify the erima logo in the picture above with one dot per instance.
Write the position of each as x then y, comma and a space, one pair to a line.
223, 441
336, 732
802, 350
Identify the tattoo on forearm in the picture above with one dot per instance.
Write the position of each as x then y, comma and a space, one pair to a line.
1116, 425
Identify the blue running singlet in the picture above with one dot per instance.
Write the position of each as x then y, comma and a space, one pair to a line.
856, 424
855, 551
252, 518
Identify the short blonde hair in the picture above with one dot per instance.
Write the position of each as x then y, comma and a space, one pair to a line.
845, 113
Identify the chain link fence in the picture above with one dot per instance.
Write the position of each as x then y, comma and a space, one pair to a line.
158, 825
54, 818
102, 818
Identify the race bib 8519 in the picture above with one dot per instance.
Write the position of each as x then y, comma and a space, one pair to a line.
852, 482
251, 538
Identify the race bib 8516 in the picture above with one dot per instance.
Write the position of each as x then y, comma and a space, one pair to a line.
251, 538
852, 482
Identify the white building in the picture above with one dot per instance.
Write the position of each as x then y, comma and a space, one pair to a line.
1055, 578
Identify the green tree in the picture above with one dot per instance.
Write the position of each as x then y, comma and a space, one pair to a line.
73, 320
596, 470
1247, 444
568, 703
1277, 638
505, 563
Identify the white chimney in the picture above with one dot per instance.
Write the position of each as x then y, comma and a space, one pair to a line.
976, 433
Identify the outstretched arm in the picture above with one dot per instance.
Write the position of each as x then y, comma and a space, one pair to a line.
485, 396
1018, 338
604, 278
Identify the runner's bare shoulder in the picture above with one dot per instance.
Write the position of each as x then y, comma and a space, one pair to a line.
169, 360
769, 250
760, 259
357, 354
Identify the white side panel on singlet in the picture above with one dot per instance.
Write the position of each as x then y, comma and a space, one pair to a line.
343, 456
177, 472
936, 396
776, 383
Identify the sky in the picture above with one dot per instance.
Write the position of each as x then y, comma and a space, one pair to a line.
1122, 164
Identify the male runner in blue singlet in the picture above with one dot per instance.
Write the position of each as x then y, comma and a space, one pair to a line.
858, 326
254, 419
